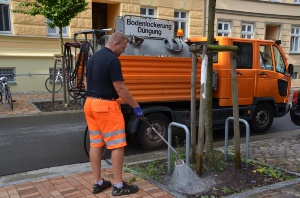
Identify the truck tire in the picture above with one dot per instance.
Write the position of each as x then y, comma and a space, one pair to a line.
147, 138
263, 117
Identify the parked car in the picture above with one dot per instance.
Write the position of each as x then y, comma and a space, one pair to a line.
295, 108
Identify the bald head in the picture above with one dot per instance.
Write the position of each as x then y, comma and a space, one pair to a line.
117, 43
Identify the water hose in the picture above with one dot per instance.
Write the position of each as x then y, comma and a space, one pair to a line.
178, 162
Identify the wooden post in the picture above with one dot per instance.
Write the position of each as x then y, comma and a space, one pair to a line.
236, 120
193, 106
197, 48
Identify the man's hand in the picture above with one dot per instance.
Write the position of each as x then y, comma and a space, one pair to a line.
138, 112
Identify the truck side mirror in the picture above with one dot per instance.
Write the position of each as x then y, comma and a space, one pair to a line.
291, 69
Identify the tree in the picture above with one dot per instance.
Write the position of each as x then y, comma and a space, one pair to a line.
59, 12
209, 86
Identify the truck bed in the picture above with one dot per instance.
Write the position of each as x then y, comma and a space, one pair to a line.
157, 79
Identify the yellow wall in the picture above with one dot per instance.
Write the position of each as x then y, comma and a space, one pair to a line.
29, 50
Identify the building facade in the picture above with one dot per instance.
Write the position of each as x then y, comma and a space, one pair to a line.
262, 19
28, 45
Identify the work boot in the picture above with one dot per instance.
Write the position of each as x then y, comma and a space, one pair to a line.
124, 190
99, 188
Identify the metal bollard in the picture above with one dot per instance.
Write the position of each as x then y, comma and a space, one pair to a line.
247, 138
187, 152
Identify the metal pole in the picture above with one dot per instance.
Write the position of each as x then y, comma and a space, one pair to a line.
187, 149
247, 138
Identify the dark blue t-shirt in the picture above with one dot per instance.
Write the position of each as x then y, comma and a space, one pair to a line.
102, 69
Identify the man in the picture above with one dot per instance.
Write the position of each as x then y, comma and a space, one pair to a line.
105, 84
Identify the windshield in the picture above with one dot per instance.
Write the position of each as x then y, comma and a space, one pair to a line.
279, 62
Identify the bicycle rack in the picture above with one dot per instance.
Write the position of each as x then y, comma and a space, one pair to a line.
187, 150
247, 138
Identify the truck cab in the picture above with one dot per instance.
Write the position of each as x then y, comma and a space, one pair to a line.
263, 79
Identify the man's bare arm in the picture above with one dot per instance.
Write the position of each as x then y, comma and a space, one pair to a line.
124, 93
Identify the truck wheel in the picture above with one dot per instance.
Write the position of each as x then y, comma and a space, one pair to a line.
147, 138
262, 118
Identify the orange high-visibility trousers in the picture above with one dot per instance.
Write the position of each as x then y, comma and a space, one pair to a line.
105, 123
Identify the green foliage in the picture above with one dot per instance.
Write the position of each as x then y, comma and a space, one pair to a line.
60, 12
154, 169
270, 171
226, 189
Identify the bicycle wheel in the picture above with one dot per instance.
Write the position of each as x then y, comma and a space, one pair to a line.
49, 84
9, 99
87, 144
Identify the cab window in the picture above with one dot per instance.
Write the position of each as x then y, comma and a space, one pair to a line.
244, 55
265, 55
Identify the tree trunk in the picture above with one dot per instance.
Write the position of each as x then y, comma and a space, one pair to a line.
236, 122
209, 88
61, 41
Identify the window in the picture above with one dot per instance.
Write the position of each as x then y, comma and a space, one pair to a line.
279, 63
295, 40
297, 1
55, 31
6, 72
58, 69
223, 28
5, 16
180, 21
266, 57
247, 30
148, 12
275, 0
244, 55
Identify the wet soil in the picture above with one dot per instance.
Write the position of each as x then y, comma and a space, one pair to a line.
49, 106
222, 180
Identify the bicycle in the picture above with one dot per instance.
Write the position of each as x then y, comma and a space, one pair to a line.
5, 94
70, 84
58, 82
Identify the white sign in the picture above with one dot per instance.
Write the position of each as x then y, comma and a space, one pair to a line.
148, 27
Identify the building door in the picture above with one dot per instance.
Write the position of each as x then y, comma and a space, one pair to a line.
99, 15
272, 32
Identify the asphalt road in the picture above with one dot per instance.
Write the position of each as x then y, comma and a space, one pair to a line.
36, 142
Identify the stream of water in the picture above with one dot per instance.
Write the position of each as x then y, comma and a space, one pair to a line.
185, 180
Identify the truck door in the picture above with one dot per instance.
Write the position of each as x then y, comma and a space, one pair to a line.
271, 79
245, 73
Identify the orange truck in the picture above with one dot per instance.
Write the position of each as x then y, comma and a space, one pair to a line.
157, 71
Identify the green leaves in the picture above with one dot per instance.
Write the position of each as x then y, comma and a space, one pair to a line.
60, 12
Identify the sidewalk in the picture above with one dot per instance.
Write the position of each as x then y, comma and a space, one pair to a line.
76, 180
